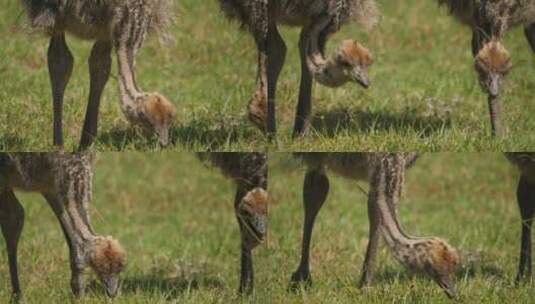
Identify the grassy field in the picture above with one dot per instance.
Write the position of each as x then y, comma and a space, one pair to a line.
467, 199
173, 215
424, 92
182, 238
208, 71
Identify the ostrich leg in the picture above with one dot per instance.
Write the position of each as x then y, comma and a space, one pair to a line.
315, 190
526, 203
99, 72
11, 222
311, 40
373, 243
60, 63
276, 57
529, 32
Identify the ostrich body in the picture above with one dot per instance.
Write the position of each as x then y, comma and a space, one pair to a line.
65, 181
489, 20
249, 171
119, 25
318, 19
385, 174
526, 203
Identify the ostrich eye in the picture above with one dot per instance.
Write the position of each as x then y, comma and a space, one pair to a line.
345, 64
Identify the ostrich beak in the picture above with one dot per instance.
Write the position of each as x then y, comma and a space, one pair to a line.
163, 135
361, 77
494, 85
111, 285
256, 226
447, 285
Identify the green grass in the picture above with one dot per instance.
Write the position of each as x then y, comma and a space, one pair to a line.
424, 93
173, 215
208, 71
175, 218
467, 199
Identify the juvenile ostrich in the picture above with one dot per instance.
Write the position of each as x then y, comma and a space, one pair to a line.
253, 16
526, 203
249, 171
385, 173
318, 19
65, 180
121, 25
489, 20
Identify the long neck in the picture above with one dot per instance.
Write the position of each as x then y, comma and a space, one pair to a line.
70, 202
386, 187
324, 71
81, 229
76, 210
131, 95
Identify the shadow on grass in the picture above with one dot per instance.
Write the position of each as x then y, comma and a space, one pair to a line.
156, 283
470, 268
331, 122
210, 135
11, 142
488, 271
171, 287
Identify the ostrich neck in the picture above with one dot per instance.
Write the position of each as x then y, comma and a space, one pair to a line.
71, 209
386, 190
324, 71
130, 93
392, 232
77, 215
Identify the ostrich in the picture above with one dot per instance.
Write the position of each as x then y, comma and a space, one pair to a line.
119, 25
249, 171
253, 16
526, 203
65, 181
385, 173
318, 19
489, 20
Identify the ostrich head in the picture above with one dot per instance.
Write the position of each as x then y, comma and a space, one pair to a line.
439, 260
155, 113
350, 62
252, 213
492, 64
107, 259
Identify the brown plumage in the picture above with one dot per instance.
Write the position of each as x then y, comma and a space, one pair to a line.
493, 57
108, 256
354, 51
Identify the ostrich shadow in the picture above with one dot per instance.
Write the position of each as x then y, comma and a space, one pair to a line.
486, 270
171, 287
11, 142
332, 122
469, 269
211, 134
